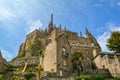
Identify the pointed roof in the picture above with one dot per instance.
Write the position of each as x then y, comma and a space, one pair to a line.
87, 32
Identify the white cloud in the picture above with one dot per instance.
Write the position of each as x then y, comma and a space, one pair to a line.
7, 55
6, 14
102, 40
34, 25
113, 27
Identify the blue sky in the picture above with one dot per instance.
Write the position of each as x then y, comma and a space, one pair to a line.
20, 17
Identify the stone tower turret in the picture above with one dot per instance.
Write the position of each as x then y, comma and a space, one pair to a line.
87, 33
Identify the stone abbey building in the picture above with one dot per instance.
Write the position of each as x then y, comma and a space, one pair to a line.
58, 45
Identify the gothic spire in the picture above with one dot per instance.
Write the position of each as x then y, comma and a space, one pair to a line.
80, 34
51, 21
87, 33
50, 26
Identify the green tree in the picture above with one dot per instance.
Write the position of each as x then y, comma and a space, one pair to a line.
113, 43
76, 58
36, 46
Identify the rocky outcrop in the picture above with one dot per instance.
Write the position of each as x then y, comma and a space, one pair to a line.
3, 64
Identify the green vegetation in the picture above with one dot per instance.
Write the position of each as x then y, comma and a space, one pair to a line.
88, 77
29, 76
30, 70
29, 44
113, 43
41, 53
75, 56
13, 69
1, 77
76, 59
36, 46
117, 78
20, 55
16, 78
98, 77
84, 77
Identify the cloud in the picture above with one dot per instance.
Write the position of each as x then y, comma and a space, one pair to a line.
6, 54
113, 27
6, 14
34, 25
102, 39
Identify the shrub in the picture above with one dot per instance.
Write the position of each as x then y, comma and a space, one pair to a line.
98, 77
29, 76
1, 77
117, 78
12, 69
30, 70
84, 77
16, 78
20, 55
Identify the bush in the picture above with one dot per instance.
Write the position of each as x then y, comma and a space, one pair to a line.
16, 78
29, 76
1, 77
98, 77
117, 78
20, 55
84, 77
30, 70
12, 69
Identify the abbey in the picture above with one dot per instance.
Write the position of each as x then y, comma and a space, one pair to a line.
57, 45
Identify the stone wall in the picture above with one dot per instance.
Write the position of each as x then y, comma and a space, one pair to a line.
108, 61
50, 55
21, 61
63, 55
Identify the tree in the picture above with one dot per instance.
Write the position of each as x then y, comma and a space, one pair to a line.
113, 43
76, 58
36, 46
